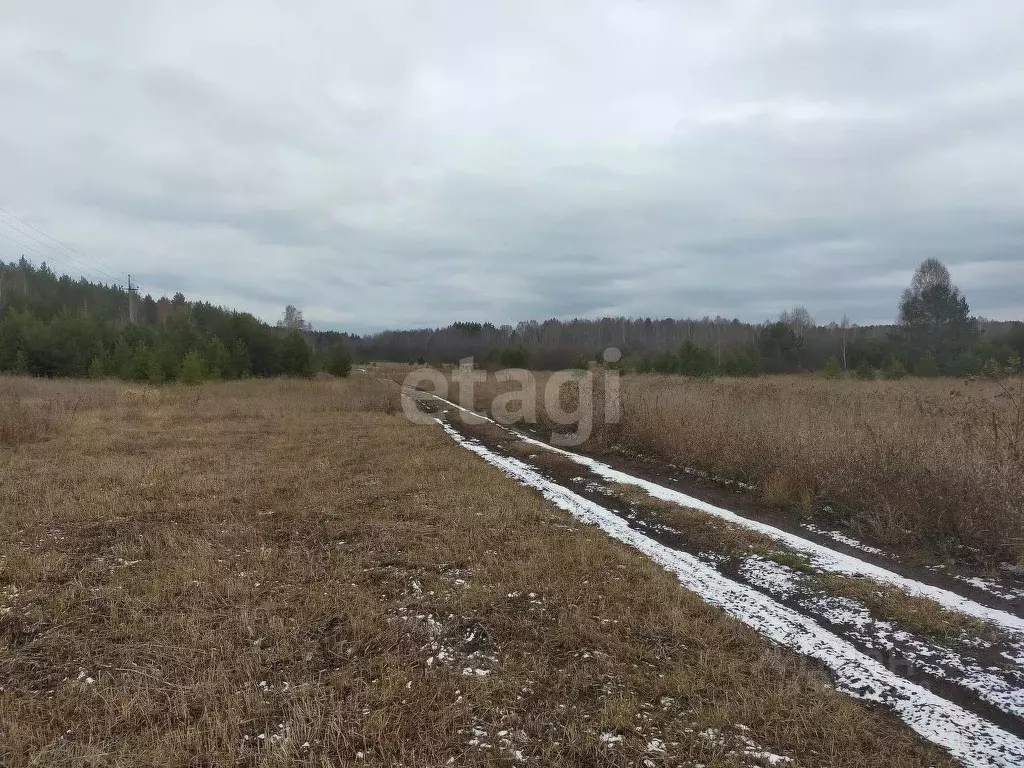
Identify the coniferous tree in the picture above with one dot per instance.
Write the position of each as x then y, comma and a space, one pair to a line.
935, 318
339, 361
296, 356
193, 368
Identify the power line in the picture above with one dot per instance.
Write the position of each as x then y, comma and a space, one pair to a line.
69, 260
69, 269
91, 266
59, 242
103, 270
66, 258
34, 250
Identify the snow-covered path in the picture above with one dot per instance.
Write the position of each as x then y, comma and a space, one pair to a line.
972, 739
823, 558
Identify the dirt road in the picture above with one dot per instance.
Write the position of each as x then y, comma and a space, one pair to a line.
963, 690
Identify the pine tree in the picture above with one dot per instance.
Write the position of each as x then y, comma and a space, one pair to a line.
121, 361
20, 365
296, 356
218, 359
339, 361
193, 368
154, 369
832, 368
935, 318
241, 364
98, 367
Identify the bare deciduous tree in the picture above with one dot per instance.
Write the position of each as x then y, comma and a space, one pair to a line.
292, 318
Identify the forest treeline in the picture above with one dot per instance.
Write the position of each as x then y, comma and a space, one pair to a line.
935, 335
53, 325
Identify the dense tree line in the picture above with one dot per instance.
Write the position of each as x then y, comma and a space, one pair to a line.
935, 335
56, 326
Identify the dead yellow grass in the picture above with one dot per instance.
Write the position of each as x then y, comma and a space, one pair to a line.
34, 409
919, 465
909, 463
266, 573
783, 491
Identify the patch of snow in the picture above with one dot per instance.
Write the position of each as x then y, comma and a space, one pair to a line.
992, 587
656, 745
844, 539
775, 577
509, 742
755, 751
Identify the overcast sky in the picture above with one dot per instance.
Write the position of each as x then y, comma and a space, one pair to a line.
396, 163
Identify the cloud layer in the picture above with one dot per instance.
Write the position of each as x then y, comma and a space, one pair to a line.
402, 163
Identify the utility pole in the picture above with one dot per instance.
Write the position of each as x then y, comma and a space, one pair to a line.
132, 291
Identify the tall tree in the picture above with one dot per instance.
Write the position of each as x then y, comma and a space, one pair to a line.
935, 317
296, 357
798, 318
293, 319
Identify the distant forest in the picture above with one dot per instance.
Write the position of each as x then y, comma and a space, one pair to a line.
935, 336
54, 325
696, 347
57, 326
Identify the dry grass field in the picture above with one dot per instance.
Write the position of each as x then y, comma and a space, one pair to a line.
271, 573
917, 465
913, 463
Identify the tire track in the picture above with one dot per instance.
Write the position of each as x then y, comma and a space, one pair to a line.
969, 737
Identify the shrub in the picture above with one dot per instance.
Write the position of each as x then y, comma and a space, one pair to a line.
694, 360
832, 369
141, 363
154, 370
339, 361
218, 359
98, 367
193, 368
740, 364
865, 372
20, 366
240, 362
512, 357
296, 356
927, 366
894, 370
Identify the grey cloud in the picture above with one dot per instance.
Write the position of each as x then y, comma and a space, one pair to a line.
398, 163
